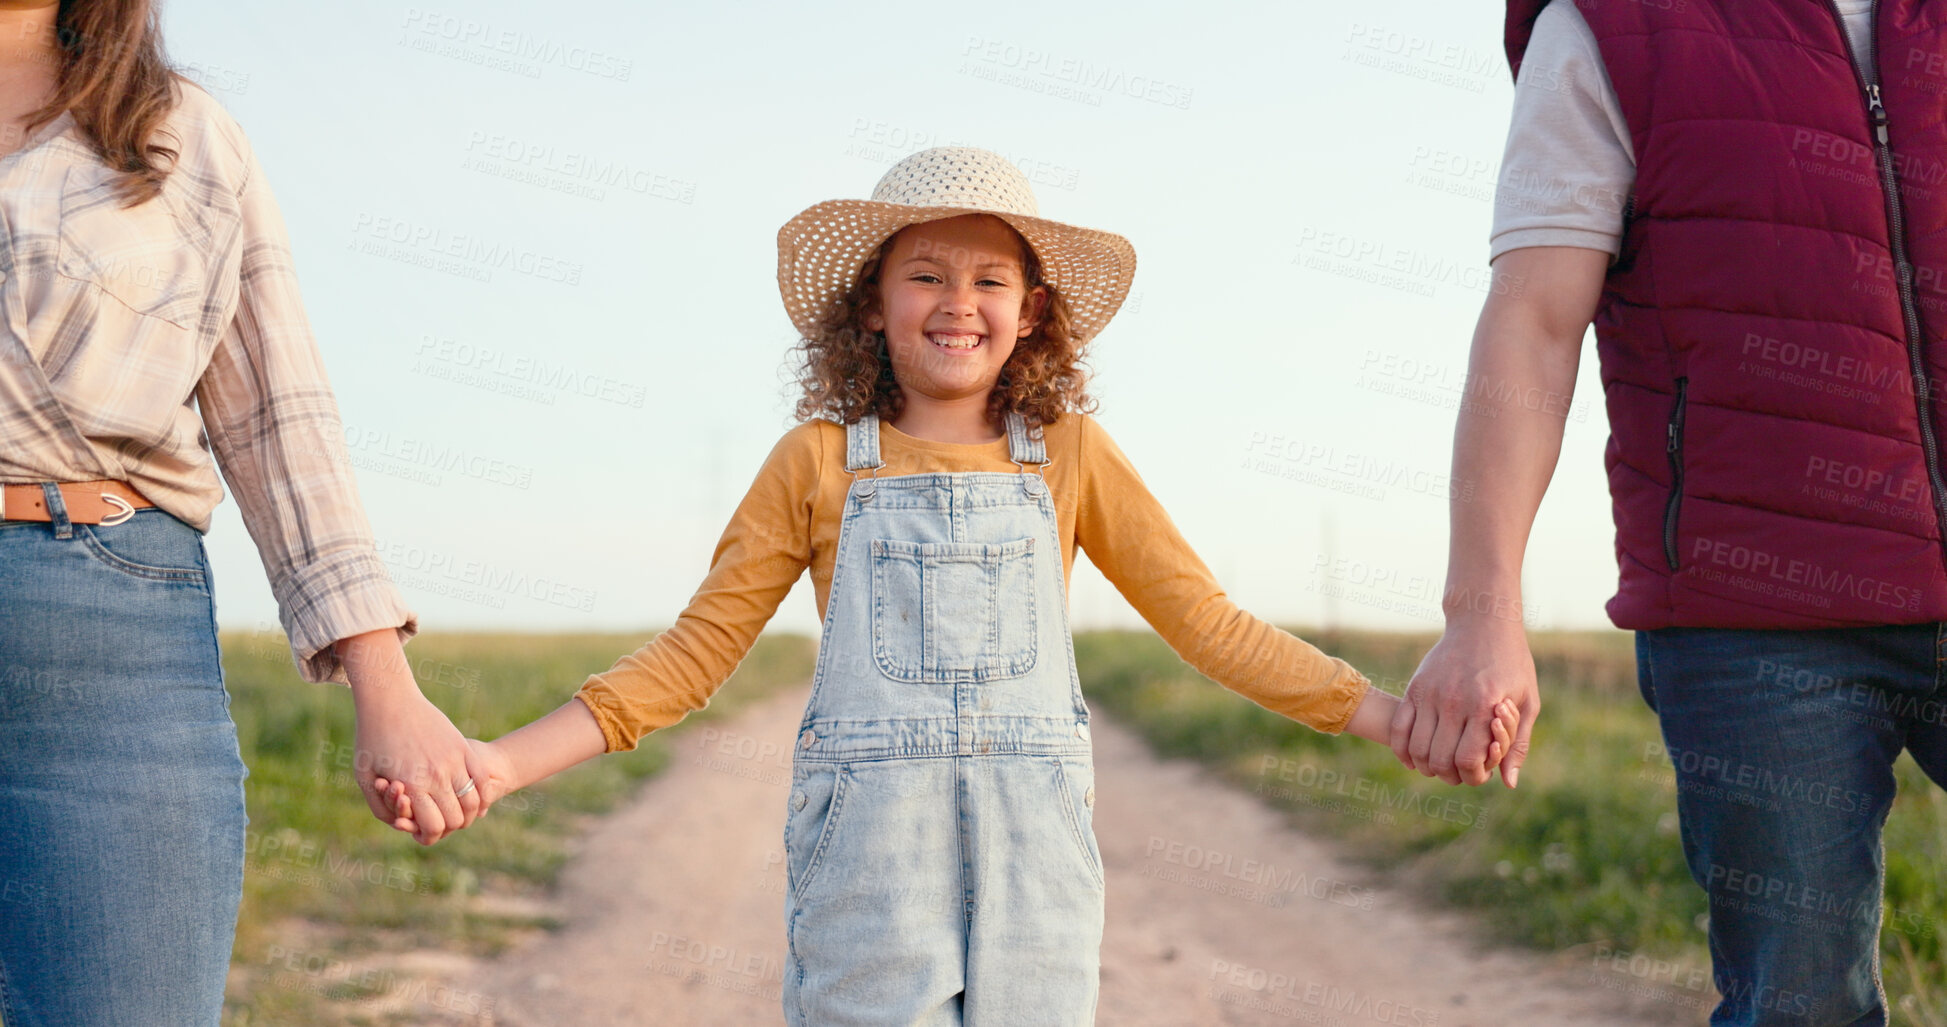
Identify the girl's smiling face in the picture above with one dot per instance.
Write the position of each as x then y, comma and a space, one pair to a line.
953, 299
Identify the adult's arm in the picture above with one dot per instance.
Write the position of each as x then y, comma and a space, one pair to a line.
1520, 375
273, 424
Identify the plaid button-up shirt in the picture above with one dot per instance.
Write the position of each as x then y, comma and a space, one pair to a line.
134, 342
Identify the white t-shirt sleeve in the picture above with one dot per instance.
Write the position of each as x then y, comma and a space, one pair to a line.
1568, 168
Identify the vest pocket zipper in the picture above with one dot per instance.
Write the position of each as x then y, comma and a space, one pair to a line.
1675, 450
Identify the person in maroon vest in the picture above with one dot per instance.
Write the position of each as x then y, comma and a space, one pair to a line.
1750, 203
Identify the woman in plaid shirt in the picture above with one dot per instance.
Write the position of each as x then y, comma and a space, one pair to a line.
150, 330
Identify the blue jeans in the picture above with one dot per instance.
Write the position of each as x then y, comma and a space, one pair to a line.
121, 787
1783, 744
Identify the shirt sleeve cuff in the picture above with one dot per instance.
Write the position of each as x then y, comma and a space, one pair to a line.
1345, 691
613, 736
1518, 238
345, 594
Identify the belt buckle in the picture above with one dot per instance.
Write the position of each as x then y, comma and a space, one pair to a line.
127, 509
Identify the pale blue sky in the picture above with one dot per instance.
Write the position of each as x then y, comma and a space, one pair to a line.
538, 253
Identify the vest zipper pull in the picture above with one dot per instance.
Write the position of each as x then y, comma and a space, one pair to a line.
1878, 111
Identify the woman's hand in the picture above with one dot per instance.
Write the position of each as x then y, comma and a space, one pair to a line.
404, 738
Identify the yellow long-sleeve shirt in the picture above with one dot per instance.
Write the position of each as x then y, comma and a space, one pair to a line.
790, 518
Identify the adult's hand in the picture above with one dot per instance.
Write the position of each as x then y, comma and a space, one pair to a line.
403, 737
1444, 726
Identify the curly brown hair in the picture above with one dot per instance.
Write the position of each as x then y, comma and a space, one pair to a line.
847, 370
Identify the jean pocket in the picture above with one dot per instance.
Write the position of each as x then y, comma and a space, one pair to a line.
151, 545
1076, 779
953, 611
817, 796
149, 258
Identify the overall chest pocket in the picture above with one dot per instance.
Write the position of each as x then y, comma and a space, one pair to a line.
953, 611
150, 258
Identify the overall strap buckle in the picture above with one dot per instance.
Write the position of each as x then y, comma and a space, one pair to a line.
862, 451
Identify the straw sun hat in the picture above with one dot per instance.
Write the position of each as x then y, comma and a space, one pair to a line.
821, 251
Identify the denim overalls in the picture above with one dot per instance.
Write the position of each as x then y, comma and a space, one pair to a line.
940, 854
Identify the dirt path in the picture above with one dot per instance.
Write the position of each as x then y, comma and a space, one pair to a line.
1218, 913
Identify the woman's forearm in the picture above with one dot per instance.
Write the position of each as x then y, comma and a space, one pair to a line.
376, 668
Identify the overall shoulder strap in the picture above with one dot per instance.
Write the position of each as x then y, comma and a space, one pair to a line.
862, 444
1026, 445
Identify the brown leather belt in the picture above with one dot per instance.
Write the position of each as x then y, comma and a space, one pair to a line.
88, 502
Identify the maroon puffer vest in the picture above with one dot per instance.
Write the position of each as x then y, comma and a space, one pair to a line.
1770, 461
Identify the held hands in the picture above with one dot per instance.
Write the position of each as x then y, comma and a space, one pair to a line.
1378, 711
492, 774
1441, 729
403, 739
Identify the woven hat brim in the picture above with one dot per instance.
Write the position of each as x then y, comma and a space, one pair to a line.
820, 253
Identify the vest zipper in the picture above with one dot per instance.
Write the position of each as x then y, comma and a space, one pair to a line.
1675, 449
1903, 271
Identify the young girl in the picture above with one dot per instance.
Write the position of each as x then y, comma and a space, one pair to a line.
943, 476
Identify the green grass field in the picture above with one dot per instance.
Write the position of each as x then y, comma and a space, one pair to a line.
1583, 859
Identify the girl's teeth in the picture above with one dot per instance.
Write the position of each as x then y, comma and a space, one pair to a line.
957, 341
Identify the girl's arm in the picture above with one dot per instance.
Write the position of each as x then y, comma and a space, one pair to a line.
760, 556
1131, 539
550, 745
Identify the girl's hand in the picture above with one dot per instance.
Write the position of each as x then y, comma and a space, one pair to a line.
1507, 720
492, 773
